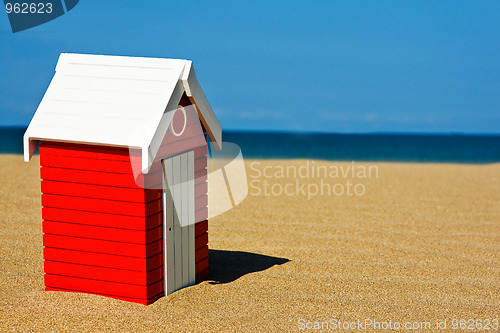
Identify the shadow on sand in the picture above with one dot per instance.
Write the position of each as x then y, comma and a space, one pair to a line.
227, 266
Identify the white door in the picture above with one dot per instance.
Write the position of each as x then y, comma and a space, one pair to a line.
178, 222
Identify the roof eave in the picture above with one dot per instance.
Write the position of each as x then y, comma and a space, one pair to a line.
205, 111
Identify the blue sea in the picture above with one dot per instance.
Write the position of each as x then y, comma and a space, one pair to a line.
456, 148
369, 147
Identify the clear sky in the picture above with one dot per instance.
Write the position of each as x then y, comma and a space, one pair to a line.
332, 66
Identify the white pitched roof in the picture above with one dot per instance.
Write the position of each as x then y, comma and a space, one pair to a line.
116, 101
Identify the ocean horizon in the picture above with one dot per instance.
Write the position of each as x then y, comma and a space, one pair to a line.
380, 147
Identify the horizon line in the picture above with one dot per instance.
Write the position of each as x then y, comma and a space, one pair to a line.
278, 131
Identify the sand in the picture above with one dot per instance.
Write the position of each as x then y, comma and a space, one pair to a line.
421, 244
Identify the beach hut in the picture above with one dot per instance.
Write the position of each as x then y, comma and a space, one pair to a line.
123, 155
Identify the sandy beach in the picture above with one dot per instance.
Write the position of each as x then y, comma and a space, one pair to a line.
411, 243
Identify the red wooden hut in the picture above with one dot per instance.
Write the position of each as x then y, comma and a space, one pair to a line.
123, 155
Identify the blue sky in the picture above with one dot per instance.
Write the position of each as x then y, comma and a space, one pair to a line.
379, 66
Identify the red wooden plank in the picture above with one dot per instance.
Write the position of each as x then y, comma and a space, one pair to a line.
200, 179
102, 246
102, 206
102, 219
201, 254
200, 228
100, 165
191, 114
128, 299
104, 287
88, 177
103, 260
151, 194
202, 174
138, 195
200, 151
200, 163
79, 163
202, 276
192, 130
119, 166
201, 214
201, 241
104, 233
201, 266
103, 273
90, 151
101, 178
97, 152
201, 189
201, 201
